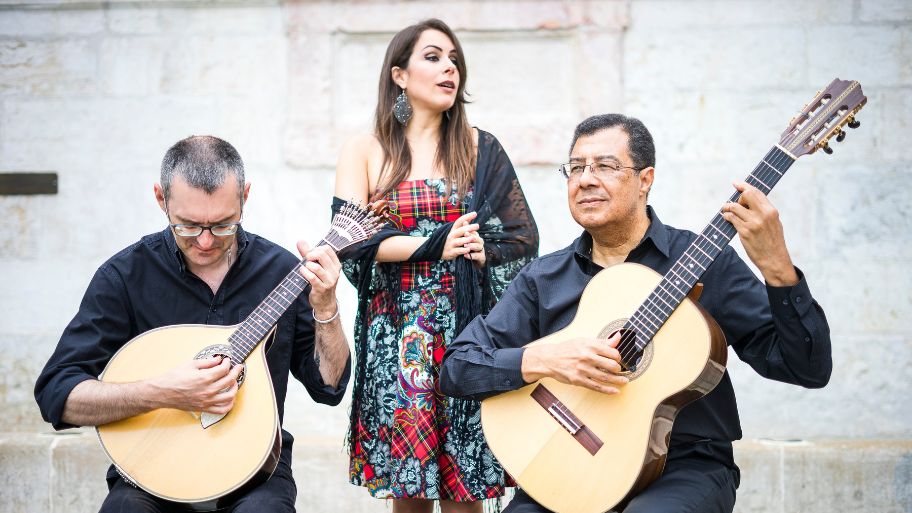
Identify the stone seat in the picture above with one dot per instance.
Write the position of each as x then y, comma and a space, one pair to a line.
64, 473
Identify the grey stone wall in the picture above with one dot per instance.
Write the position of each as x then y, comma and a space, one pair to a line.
96, 91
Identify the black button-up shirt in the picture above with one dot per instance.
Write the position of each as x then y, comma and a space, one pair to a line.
148, 285
779, 331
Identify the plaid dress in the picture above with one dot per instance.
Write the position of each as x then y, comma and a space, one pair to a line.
402, 445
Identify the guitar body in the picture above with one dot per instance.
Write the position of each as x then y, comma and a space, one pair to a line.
686, 360
168, 452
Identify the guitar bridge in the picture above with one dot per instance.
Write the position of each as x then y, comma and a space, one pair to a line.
563, 416
567, 419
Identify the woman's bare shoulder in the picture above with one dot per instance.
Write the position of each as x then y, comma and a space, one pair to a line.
364, 144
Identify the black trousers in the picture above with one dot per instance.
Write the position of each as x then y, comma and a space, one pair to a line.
688, 485
277, 494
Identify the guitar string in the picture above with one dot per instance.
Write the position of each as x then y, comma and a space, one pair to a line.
758, 175
764, 172
650, 304
251, 331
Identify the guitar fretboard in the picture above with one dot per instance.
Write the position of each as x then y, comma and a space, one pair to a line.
686, 271
252, 330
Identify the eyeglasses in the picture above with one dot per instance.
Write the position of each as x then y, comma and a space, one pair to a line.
195, 230
602, 170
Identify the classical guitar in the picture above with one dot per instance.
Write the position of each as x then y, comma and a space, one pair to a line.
200, 459
585, 452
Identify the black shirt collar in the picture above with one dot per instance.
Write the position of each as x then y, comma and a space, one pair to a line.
656, 234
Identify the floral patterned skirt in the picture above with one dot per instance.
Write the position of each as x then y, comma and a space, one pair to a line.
409, 440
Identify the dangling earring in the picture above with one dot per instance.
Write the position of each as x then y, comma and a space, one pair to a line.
402, 109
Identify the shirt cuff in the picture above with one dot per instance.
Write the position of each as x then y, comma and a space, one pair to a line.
323, 393
509, 360
787, 301
61, 393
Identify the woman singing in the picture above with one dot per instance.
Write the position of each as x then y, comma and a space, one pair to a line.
460, 231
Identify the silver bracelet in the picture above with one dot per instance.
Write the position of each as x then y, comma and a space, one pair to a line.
327, 321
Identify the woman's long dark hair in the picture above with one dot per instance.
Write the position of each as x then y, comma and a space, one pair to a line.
456, 153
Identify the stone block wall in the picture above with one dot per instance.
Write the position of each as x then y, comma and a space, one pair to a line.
97, 91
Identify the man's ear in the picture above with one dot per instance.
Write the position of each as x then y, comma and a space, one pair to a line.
646, 177
160, 197
246, 191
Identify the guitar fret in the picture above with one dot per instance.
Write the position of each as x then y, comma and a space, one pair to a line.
680, 278
260, 323
664, 293
682, 266
248, 340
721, 230
714, 244
651, 307
257, 317
701, 251
282, 300
638, 323
772, 167
678, 292
666, 304
650, 321
288, 291
701, 261
760, 184
242, 333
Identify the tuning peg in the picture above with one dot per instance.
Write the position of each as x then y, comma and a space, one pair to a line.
826, 149
854, 123
840, 135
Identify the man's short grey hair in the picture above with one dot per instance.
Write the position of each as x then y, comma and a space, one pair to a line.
204, 162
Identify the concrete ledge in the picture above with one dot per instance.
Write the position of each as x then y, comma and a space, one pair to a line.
64, 473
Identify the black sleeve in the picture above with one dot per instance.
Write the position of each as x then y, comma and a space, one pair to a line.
101, 326
486, 358
781, 332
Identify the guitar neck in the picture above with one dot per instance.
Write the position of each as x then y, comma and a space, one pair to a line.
258, 324
686, 272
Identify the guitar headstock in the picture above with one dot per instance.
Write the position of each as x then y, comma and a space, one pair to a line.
824, 117
354, 223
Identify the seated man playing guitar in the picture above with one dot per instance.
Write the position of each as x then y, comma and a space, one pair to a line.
777, 328
203, 269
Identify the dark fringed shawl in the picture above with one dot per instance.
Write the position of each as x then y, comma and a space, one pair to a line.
510, 240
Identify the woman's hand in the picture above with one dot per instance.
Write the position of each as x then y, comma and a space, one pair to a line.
460, 237
476, 250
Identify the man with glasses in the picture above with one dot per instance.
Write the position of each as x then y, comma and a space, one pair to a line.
776, 328
202, 269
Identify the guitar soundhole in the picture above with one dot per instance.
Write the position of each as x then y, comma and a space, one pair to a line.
631, 355
634, 359
220, 350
